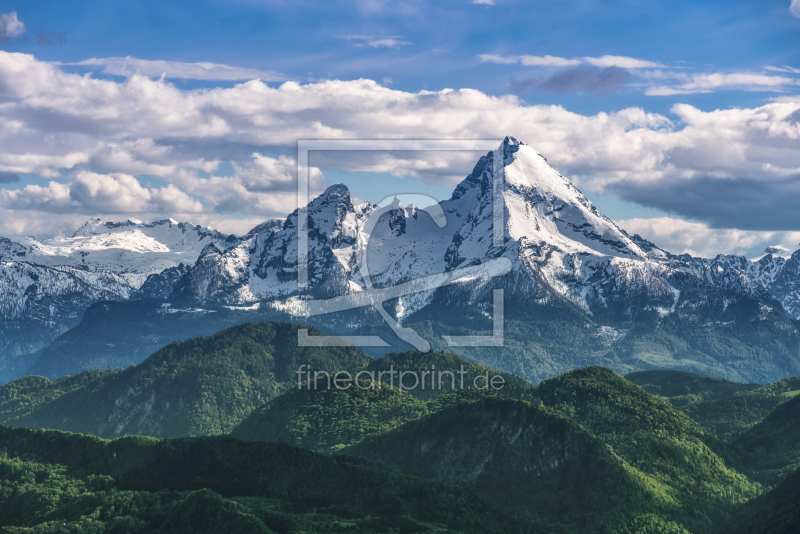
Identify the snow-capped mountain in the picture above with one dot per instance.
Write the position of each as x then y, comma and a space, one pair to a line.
45, 286
561, 247
559, 243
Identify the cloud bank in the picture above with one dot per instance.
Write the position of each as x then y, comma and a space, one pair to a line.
224, 155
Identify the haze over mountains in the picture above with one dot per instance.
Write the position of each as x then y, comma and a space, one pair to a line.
570, 264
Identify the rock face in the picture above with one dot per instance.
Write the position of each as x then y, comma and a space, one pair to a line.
561, 248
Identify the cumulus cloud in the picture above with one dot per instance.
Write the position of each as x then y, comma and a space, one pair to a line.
263, 185
88, 192
679, 237
794, 8
126, 66
10, 26
723, 202
582, 79
144, 126
483, 2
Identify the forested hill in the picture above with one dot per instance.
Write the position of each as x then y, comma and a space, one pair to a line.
197, 387
777, 512
771, 448
208, 385
723, 407
61, 482
588, 452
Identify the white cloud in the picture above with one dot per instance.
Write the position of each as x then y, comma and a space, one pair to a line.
10, 26
126, 66
144, 126
794, 8
784, 68
705, 83
483, 2
547, 61
655, 72
388, 43
621, 62
554, 61
263, 185
87, 192
679, 236
391, 41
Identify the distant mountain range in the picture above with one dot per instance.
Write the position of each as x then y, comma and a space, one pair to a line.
626, 303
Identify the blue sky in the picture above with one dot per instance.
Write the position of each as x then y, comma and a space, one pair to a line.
673, 62
444, 39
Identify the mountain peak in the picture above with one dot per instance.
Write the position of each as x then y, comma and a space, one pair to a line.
336, 191
88, 227
778, 250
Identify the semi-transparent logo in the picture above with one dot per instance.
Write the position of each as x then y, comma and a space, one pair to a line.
375, 297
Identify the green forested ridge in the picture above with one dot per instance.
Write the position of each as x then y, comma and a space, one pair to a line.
690, 465
777, 512
61, 482
682, 388
771, 448
587, 451
538, 464
437, 362
668, 471
197, 387
209, 385
326, 420
726, 408
729, 416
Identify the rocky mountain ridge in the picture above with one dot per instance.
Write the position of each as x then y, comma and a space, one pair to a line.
561, 247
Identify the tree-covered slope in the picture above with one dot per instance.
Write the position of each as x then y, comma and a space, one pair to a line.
682, 388
56, 482
197, 387
726, 408
771, 448
777, 512
689, 463
321, 417
540, 465
459, 374
326, 420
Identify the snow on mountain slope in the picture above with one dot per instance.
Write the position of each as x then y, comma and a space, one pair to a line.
45, 286
333, 226
560, 246
555, 235
131, 249
556, 238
